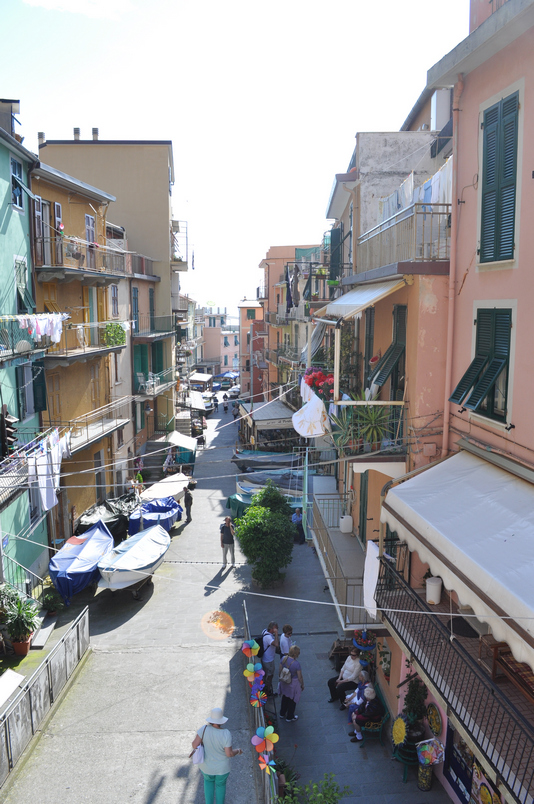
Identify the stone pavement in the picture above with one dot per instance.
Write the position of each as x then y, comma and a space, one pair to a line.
124, 728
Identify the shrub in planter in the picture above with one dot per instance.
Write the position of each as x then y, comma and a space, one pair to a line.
52, 601
22, 620
327, 791
113, 335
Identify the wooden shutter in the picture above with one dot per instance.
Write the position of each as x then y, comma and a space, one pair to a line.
21, 397
507, 177
468, 380
369, 339
387, 364
58, 220
38, 228
399, 323
489, 184
493, 326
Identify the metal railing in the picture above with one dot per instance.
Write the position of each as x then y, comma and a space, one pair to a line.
262, 292
81, 338
502, 735
99, 423
153, 384
72, 252
348, 591
269, 782
373, 428
24, 715
148, 324
16, 342
142, 265
419, 233
14, 470
21, 578
289, 352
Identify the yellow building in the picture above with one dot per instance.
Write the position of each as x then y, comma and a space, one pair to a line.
77, 274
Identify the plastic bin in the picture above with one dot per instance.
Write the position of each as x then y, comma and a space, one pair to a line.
345, 524
433, 591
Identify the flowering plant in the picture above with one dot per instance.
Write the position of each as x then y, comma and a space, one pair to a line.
365, 638
320, 383
61, 229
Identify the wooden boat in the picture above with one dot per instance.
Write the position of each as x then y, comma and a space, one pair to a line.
134, 560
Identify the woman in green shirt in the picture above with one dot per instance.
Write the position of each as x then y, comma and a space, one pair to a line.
217, 754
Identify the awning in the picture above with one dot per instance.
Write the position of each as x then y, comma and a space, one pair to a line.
180, 440
316, 341
473, 523
23, 187
198, 377
268, 416
197, 402
172, 486
359, 299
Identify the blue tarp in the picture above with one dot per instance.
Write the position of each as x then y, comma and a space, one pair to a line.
75, 566
164, 512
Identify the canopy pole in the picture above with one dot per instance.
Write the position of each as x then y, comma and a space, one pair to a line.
309, 355
337, 354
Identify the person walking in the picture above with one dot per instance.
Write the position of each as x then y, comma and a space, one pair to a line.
297, 520
227, 541
291, 692
216, 404
188, 502
225, 406
235, 412
218, 751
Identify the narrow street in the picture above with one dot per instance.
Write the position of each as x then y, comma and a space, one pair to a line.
123, 730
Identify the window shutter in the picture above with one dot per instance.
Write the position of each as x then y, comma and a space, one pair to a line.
369, 338
21, 399
335, 252
484, 339
399, 323
508, 173
503, 325
387, 364
489, 184
468, 380
484, 385
39, 386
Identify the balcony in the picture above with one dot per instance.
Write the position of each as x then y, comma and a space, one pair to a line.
282, 315
87, 429
82, 341
17, 345
151, 385
378, 431
502, 733
262, 293
143, 266
153, 327
419, 233
59, 258
288, 353
271, 355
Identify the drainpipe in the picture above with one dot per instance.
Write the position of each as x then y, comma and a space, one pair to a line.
458, 89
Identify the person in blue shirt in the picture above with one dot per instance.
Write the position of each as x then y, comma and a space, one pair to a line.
297, 520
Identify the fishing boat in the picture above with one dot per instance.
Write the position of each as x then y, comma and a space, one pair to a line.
289, 483
251, 459
135, 560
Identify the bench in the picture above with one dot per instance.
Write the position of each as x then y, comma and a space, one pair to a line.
375, 728
519, 673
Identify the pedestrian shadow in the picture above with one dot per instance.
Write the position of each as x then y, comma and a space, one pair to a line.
213, 585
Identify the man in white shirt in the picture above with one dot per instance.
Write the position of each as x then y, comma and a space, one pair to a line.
270, 643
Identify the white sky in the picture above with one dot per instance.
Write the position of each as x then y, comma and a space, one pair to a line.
261, 101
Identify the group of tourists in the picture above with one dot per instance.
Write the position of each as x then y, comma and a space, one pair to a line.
353, 689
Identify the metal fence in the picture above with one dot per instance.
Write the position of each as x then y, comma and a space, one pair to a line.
21, 578
148, 324
21, 720
348, 591
420, 232
503, 736
16, 342
77, 338
269, 782
72, 252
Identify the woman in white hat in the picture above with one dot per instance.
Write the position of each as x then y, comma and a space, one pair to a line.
217, 753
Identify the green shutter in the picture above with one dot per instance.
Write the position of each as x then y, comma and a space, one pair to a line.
335, 252
369, 337
484, 338
503, 325
499, 174
21, 398
399, 323
486, 383
468, 380
157, 357
39, 387
387, 364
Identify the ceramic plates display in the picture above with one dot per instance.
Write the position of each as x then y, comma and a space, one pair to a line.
434, 719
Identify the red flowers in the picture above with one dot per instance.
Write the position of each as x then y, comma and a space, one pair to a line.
320, 383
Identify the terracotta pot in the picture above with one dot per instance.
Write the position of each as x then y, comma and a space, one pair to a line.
22, 648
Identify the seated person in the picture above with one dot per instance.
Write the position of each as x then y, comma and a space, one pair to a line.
370, 709
347, 679
354, 699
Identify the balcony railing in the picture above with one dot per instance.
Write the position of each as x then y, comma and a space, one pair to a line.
502, 735
71, 252
146, 325
419, 233
373, 429
14, 471
16, 342
262, 292
142, 265
78, 339
288, 352
99, 423
154, 384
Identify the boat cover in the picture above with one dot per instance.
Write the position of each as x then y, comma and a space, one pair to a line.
113, 512
264, 460
75, 566
138, 554
287, 481
164, 512
172, 486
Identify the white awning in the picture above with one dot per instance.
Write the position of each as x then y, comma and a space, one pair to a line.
198, 377
180, 440
357, 300
172, 486
473, 523
197, 401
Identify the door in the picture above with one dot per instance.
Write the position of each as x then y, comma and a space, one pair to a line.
47, 251
90, 236
58, 233
54, 398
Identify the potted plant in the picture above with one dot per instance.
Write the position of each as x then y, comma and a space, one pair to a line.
52, 602
8, 597
22, 619
113, 335
414, 709
372, 424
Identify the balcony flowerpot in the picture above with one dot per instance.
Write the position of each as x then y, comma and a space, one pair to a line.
22, 648
332, 283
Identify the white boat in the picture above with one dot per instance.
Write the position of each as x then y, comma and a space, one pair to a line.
135, 559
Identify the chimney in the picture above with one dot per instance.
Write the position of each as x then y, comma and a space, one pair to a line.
95, 133
76, 133
41, 138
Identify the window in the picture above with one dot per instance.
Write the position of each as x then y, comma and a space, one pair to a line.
152, 309
25, 303
236, 340
222, 321
25, 391
114, 300
100, 478
58, 233
226, 341
247, 365
248, 338
90, 236
251, 315
212, 322
120, 439
117, 366
226, 360
235, 355
499, 168
484, 386
17, 198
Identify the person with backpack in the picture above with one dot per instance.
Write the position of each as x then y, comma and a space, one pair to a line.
268, 645
291, 684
